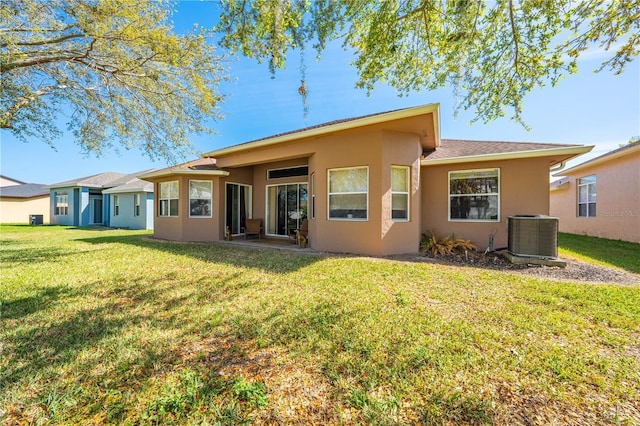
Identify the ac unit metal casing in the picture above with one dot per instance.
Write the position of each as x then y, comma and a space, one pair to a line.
533, 235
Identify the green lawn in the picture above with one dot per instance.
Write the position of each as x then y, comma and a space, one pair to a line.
620, 254
112, 327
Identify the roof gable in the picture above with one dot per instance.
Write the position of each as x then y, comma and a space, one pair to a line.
429, 132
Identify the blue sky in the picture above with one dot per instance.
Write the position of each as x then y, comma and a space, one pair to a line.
586, 108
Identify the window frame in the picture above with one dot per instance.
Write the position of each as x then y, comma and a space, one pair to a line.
168, 199
588, 202
136, 204
329, 194
287, 176
61, 197
407, 170
487, 194
210, 215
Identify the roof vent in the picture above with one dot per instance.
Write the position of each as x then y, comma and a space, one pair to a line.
533, 235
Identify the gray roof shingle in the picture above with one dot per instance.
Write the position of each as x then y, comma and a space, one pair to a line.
25, 190
454, 148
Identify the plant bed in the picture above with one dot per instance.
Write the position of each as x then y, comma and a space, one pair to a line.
575, 270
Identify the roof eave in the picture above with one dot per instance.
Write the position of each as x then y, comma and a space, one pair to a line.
347, 125
572, 152
599, 160
117, 190
173, 172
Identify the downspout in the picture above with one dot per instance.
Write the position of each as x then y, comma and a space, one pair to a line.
558, 167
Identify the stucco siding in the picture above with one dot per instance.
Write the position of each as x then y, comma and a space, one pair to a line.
617, 204
18, 210
126, 217
524, 189
63, 219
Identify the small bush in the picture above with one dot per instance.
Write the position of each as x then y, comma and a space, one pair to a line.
436, 245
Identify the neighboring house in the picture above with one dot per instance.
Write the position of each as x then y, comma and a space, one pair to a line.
601, 197
85, 202
369, 185
131, 205
19, 201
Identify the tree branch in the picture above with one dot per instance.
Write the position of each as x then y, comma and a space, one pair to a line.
7, 116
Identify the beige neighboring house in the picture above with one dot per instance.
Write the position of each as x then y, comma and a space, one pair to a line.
367, 185
600, 197
19, 201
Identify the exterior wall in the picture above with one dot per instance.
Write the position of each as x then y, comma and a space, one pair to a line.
182, 227
375, 148
146, 206
126, 217
617, 203
524, 189
70, 218
18, 210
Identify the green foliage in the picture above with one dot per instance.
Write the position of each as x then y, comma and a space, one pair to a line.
416, 45
255, 393
439, 246
116, 68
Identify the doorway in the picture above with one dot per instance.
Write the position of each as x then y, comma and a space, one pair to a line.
286, 208
237, 207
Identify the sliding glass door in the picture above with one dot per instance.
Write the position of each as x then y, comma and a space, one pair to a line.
238, 207
286, 208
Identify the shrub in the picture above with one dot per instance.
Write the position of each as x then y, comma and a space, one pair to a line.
436, 245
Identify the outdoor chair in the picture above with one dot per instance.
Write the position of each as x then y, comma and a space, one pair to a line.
303, 233
253, 227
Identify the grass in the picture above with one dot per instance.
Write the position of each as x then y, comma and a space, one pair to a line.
112, 327
621, 254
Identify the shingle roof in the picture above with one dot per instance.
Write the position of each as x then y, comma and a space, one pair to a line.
101, 180
455, 148
203, 165
25, 190
134, 185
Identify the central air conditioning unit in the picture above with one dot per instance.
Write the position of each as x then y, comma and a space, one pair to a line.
533, 235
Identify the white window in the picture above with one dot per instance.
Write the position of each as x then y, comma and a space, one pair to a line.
348, 193
200, 195
168, 198
136, 204
474, 195
116, 205
587, 196
400, 193
62, 203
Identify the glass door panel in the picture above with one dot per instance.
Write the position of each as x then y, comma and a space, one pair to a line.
286, 208
238, 207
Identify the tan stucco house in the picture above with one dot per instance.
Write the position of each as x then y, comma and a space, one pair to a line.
601, 197
368, 185
22, 202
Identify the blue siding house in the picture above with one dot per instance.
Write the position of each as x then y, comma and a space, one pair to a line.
131, 205
82, 202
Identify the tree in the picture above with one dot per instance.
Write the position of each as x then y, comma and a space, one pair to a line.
492, 53
115, 66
